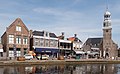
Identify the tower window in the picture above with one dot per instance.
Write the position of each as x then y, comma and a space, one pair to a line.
106, 30
104, 24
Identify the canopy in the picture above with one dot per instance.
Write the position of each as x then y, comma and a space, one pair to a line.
93, 53
79, 52
46, 50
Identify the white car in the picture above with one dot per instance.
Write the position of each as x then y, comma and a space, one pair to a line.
45, 57
28, 56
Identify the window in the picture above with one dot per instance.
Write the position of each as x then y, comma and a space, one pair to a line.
25, 40
106, 30
18, 52
18, 28
18, 39
11, 52
47, 43
37, 42
25, 51
41, 42
55, 43
46, 34
11, 38
51, 43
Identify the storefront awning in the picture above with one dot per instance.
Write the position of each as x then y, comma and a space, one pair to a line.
1, 50
93, 53
79, 52
46, 50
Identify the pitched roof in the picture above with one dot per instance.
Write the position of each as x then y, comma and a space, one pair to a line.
74, 39
95, 42
18, 20
13, 23
41, 33
61, 37
52, 35
38, 33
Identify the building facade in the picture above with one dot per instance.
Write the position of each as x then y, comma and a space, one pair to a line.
65, 46
92, 47
1, 49
15, 39
44, 43
76, 46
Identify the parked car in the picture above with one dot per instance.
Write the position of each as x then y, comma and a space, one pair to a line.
45, 57
28, 56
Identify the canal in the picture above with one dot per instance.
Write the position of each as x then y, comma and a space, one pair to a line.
62, 69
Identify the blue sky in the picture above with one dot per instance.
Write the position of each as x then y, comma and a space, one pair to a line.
83, 17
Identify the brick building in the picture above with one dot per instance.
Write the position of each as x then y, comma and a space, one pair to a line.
15, 39
1, 49
110, 48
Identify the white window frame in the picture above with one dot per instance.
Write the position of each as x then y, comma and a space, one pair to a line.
55, 43
41, 42
37, 42
11, 39
11, 53
51, 43
46, 42
18, 39
18, 28
25, 40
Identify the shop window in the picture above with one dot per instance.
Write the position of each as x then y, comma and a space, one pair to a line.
25, 51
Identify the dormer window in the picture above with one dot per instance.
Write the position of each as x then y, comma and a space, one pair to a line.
18, 28
46, 34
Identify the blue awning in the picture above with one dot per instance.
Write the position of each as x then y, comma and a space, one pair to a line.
46, 50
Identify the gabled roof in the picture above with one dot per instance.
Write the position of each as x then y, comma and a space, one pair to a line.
18, 19
94, 42
41, 33
74, 39
61, 37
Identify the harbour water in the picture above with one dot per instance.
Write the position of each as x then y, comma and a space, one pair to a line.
62, 69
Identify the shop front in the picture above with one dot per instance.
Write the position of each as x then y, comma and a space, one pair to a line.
79, 54
49, 52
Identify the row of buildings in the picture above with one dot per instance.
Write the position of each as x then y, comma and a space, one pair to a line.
18, 40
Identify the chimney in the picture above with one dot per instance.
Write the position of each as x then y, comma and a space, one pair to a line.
31, 34
75, 35
62, 33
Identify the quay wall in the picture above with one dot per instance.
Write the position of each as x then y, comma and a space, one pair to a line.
56, 62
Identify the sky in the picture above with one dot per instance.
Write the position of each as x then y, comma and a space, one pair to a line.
81, 17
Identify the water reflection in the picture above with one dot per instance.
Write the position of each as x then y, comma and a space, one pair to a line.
62, 69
